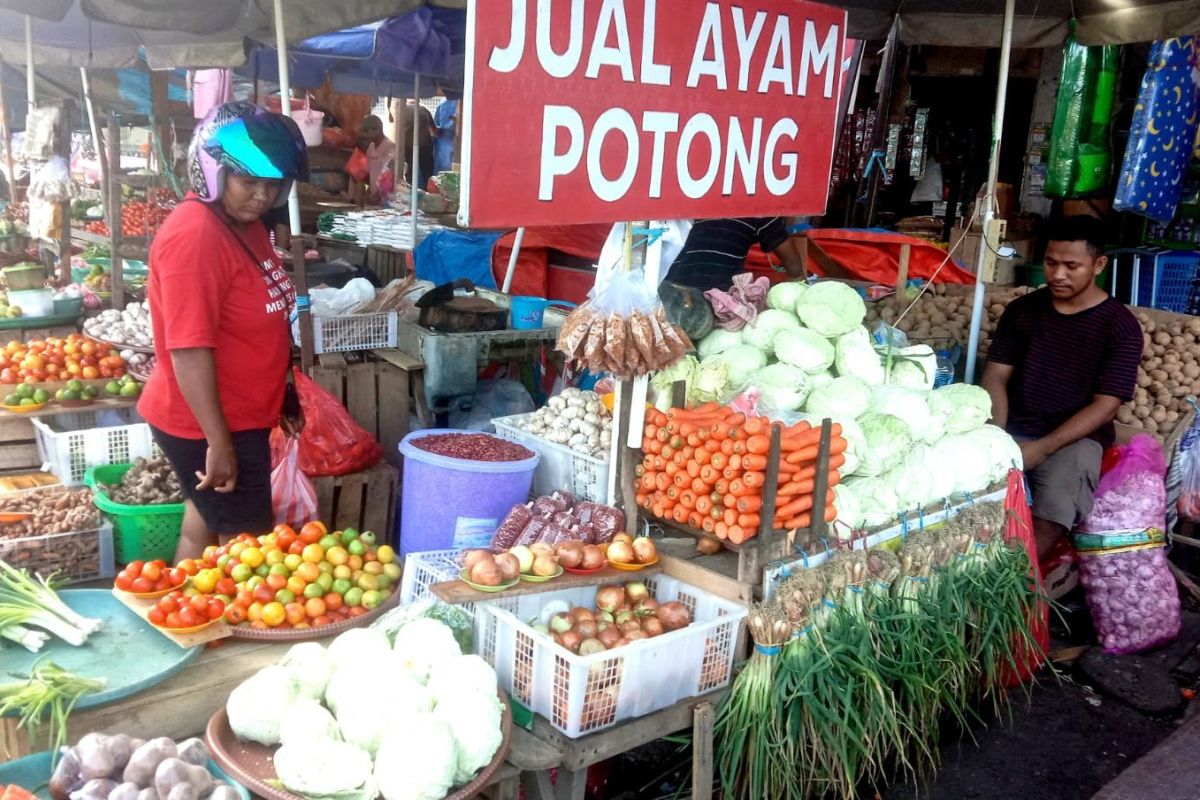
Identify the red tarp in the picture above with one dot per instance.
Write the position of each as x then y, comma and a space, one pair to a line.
865, 255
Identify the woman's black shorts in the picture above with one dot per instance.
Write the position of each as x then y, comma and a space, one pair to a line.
247, 509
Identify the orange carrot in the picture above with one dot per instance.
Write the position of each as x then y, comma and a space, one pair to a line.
647, 481
692, 468
681, 479
721, 529
708, 524
738, 534
748, 505
754, 480
679, 514
809, 452
730, 501
662, 481
735, 461
754, 462
687, 499
735, 420
729, 473
722, 486
758, 445
704, 504
730, 516
755, 426
719, 461
748, 521
727, 446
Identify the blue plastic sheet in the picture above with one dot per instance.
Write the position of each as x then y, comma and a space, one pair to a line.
445, 256
1162, 132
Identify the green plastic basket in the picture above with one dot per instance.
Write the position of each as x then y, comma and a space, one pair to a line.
141, 533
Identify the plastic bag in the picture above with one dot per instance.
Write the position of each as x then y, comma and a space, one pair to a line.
332, 442
493, 398
1122, 558
356, 167
1026, 657
1079, 161
292, 494
1188, 504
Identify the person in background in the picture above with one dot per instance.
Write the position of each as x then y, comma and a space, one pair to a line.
1062, 361
426, 131
446, 121
221, 324
379, 151
716, 250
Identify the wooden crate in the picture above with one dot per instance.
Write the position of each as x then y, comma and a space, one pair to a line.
375, 392
18, 449
362, 500
388, 263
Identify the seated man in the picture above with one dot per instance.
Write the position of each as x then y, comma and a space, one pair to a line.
716, 250
1062, 361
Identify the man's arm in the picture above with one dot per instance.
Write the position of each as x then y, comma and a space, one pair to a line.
789, 256
196, 373
995, 381
1101, 411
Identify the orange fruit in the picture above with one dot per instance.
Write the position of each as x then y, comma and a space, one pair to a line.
313, 553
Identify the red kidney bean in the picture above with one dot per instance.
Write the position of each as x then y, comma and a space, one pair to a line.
472, 447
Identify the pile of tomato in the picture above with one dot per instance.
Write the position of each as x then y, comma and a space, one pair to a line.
59, 359
139, 217
149, 576
177, 610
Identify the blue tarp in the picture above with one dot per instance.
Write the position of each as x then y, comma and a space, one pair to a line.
378, 59
445, 256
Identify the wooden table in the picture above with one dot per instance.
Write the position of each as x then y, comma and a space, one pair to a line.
178, 707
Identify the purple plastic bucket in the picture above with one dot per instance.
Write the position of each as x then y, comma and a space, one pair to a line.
453, 503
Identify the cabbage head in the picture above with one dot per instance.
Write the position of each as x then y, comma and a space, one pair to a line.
424, 643
711, 382
841, 398
663, 381
325, 769
783, 296
819, 379
831, 308
762, 332
462, 675
781, 387
307, 720
851, 432
312, 667
849, 512
358, 646
475, 721
805, 349
877, 503
417, 760
962, 406
911, 406
740, 361
257, 705
909, 374
887, 440
854, 355
912, 479
718, 341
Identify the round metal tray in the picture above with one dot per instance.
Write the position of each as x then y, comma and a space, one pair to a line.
307, 634
252, 765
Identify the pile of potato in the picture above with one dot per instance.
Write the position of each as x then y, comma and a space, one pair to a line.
1170, 369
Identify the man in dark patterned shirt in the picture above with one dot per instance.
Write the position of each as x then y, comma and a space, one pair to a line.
1062, 361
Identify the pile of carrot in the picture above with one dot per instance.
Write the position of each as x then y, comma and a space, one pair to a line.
706, 466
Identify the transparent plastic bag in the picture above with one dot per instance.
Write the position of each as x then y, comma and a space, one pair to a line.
292, 494
1188, 504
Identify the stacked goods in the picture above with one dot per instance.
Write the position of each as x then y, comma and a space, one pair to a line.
857, 662
621, 614
1169, 372
706, 467
128, 328
59, 536
139, 217
120, 767
55, 359
434, 727
908, 446
556, 518
575, 419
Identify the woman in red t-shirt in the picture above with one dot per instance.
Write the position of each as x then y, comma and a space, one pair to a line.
221, 306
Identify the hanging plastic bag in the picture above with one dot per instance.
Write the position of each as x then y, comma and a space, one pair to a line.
292, 494
1122, 557
356, 167
1027, 653
1188, 504
332, 442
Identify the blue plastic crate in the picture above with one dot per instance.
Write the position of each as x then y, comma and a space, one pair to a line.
1169, 284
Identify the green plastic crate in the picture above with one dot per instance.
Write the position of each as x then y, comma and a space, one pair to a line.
141, 533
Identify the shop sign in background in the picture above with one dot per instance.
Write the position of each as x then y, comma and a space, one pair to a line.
606, 110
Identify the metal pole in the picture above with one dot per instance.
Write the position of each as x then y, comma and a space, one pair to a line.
989, 199
512, 261
412, 169
6, 134
300, 269
30, 83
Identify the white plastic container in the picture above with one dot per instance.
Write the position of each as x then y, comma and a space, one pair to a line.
351, 332
33, 302
584, 694
69, 444
561, 468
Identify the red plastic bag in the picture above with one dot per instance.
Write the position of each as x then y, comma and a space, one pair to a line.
356, 167
292, 494
1020, 527
332, 442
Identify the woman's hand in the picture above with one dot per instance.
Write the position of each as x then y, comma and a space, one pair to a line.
292, 426
220, 469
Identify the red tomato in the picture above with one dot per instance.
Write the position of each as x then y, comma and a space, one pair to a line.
321, 620
333, 601
235, 615
199, 604
152, 571
227, 587
264, 593
174, 620
188, 566
189, 617
357, 611
167, 604
124, 582
215, 608
156, 616
135, 567
141, 585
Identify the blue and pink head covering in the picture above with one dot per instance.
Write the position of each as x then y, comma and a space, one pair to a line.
243, 139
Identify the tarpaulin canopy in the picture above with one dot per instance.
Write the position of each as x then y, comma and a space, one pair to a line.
1038, 23
175, 33
379, 59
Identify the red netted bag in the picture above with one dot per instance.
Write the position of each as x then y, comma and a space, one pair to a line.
332, 442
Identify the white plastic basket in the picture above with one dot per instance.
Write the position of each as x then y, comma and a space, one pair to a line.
69, 444
583, 694
422, 570
77, 556
560, 467
351, 332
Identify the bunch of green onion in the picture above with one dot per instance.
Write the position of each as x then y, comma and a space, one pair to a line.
48, 691
27, 603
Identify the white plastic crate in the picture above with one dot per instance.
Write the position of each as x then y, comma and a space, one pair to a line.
422, 570
69, 444
560, 467
77, 556
351, 332
584, 694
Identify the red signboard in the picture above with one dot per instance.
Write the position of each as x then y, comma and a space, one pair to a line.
605, 110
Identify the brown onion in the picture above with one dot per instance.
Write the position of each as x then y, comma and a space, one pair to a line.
623, 537
624, 616
593, 557
589, 647
674, 615
648, 607
608, 598
636, 592
609, 636
541, 549
644, 550
629, 625
570, 553
633, 636
620, 553
652, 627
707, 546
509, 566
560, 623
586, 628
472, 557
545, 566
579, 613
605, 616
486, 573
571, 640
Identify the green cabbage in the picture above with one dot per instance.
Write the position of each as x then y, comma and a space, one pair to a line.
855, 356
741, 361
663, 381
783, 296
711, 382
718, 341
819, 379
911, 406
804, 349
877, 502
840, 398
964, 407
831, 308
851, 432
762, 332
781, 387
887, 440
325, 769
849, 512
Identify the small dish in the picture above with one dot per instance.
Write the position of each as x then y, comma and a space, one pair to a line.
193, 629
632, 567
157, 593
25, 409
541, 578
581, 571
462, 576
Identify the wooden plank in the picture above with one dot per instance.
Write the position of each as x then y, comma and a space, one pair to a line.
15, 429
324, 487
530, 754
457, 592
697, 572
362, 396
902, 272
702, 751
20, 455
571, 784
587, 750
331, 375
394, 409
349, 502
178, 707
400, 359
819, 527
378, 500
